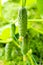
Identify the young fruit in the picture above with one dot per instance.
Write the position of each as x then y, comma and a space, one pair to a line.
8, 51
22, 21
25, 47
13, 28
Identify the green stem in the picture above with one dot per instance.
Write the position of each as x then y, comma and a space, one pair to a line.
24, 48
30, 59
0, 8
16, 44
23, 3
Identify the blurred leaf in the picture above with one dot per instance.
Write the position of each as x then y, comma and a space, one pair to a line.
6, 32
10, 11
40, 6
36, 25
30, 2
17, 1
0, 8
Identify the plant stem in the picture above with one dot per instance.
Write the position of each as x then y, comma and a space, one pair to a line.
24, 48
23, 3
0, 8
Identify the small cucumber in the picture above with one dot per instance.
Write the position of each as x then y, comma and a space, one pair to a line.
8, 51
25, 47
23, 29
22, 21
13, 28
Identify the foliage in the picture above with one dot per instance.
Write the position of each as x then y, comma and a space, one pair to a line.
13, 51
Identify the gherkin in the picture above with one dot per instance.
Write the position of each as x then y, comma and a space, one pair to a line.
8, 51
13, 28
22, 21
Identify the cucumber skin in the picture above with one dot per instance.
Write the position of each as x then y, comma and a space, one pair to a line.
22, 21
13, 29
25, 47
8, 51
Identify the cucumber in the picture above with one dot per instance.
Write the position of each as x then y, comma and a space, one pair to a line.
8, 51
22, 21
13, 28
25, 45
23, 30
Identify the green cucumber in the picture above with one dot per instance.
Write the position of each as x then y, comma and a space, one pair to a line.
25, 47
23, 29
22, 21
8, 51
13, 28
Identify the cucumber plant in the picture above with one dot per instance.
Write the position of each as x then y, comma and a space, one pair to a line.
8, 51
13, 28
23, 34
22, 22
23, 28
9, 46
22, 19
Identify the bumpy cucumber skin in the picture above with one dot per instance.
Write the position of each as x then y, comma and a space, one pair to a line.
8, 51
25, 47
22, 22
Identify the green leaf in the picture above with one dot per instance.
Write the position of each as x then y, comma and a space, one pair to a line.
40, 6
6, 32
36, 25
30, 2
17, 1
0, 8
10, 11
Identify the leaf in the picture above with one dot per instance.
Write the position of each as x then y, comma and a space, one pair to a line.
6, 32
36, 25
10, 11
40, 6
0, 8
17, 1
30, 2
